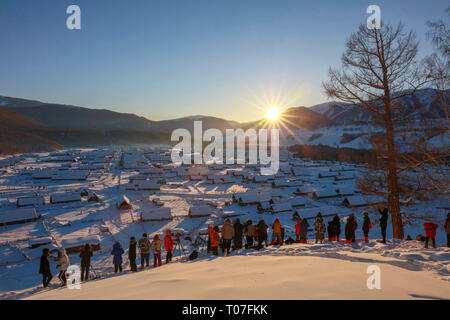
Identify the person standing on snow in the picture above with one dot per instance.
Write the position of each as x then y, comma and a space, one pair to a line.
44, 268
227, 235
367, 225
238, 232
261, 229
132, 254
144, 248
383, 222
447, 229
85, 256
168, 245
304, 225
63, 264
320, 228
297, 230
276, 227
336, 228
117, 253
350, 228
156, 247
430, 232
214, 240
330, 230
250, 230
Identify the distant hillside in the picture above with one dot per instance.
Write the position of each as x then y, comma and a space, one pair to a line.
21, 134
188, 123
70, 117
17, 134
302, 117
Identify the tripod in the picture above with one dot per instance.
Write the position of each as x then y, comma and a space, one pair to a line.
178, 246
199, 241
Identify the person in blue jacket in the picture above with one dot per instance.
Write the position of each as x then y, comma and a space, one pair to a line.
117, 252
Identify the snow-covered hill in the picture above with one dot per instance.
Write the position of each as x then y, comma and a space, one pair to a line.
330, 271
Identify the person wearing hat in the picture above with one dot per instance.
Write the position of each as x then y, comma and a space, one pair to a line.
227, 235
350, 228
367, 225
144, 248
320, 228
132, 254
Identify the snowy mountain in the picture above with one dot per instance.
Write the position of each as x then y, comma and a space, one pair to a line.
424, 104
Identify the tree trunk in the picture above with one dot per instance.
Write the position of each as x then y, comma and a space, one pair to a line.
393, 187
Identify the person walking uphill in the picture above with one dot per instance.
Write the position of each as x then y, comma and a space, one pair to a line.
261, 229
132, 254
383, 223
320, 228
227, 235
276, 227
144, 248
156, 247
447, 229
238, 233
117, 253
63, 264
430, 232
85, 256
168, 245
44, 267
350, 228
367, 225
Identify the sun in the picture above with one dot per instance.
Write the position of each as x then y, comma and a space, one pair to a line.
273, 114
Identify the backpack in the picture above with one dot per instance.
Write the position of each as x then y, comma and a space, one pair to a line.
193, 255
144, 244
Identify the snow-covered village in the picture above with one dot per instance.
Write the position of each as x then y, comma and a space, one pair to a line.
100, 197
224, 158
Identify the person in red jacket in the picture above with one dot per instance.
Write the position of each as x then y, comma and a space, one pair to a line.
430, 232
168, 245
213, 240
297, 231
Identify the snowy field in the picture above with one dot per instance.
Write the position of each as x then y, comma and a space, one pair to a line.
146, 177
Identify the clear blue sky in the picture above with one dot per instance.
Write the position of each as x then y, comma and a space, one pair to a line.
167, 59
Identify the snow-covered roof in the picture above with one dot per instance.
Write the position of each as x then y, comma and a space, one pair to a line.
201, 210
17, 215
281, 207
71, 242
161, 213
147, 185
65, 197
30, 201
312, 212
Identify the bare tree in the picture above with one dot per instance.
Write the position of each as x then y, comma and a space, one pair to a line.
430, 160
379, 68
